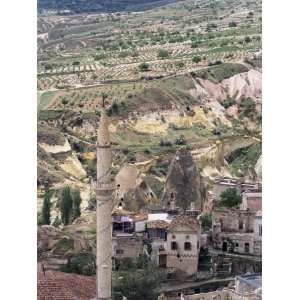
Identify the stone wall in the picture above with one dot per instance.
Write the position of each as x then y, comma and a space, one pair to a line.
127, 246
234, 220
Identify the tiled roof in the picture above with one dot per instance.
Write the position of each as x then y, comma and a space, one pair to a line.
54, 285
185, 221
160, 224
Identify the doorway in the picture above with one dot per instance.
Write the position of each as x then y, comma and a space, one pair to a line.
224, 246
247, 247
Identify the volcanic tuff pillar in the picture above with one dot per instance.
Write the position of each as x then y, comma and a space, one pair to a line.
104, 196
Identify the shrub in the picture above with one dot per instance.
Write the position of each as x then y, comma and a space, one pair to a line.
181, 140
82, 263
99, 56
229, 101
247, 39
144, 67
196, 59
232, 24
247, 107
162, 53
76, 63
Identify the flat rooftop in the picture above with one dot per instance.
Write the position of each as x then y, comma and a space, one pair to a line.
253, 280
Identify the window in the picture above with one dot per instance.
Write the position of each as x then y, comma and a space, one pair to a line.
241, 225
187, 237
173, 246
187, 246
173, 236
236, 244
260, 230
119, 251
198, 244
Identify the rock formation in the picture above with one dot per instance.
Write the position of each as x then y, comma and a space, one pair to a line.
183, 182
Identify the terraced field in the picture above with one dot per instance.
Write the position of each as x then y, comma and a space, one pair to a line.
89, 49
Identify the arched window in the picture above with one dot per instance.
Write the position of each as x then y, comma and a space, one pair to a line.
173, 246
187, 246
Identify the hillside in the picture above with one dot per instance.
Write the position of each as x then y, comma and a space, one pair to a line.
79, 6
183, 92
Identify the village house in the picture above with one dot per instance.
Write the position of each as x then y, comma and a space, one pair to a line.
126, 245
233, 230
183, 244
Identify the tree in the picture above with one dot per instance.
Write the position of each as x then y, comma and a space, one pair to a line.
66, 204
206, 221
46, 209
230, 198
76, 204
138, 284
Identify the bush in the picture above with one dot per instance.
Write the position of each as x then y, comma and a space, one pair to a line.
230, 198
196, 59
144, 67
76, 63
162, 53
99, 56
138, 284
164, 143
247, 107
229, 101
181, 140
247, 39
232, 24
82, 263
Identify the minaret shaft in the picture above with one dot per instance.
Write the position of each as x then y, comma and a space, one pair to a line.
104, 194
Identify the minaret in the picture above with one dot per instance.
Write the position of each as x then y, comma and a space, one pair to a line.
104, 196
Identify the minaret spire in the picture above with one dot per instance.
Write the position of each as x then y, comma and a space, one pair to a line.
104, 197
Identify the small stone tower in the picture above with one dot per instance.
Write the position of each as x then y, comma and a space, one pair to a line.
104, 196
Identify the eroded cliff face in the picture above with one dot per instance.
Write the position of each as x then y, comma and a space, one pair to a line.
183, 182
133, 193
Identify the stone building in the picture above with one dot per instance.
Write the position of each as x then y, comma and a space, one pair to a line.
224, 183
127, 246
183, 244
258, 233
251, 201
157, 234
246, 287
233, 230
